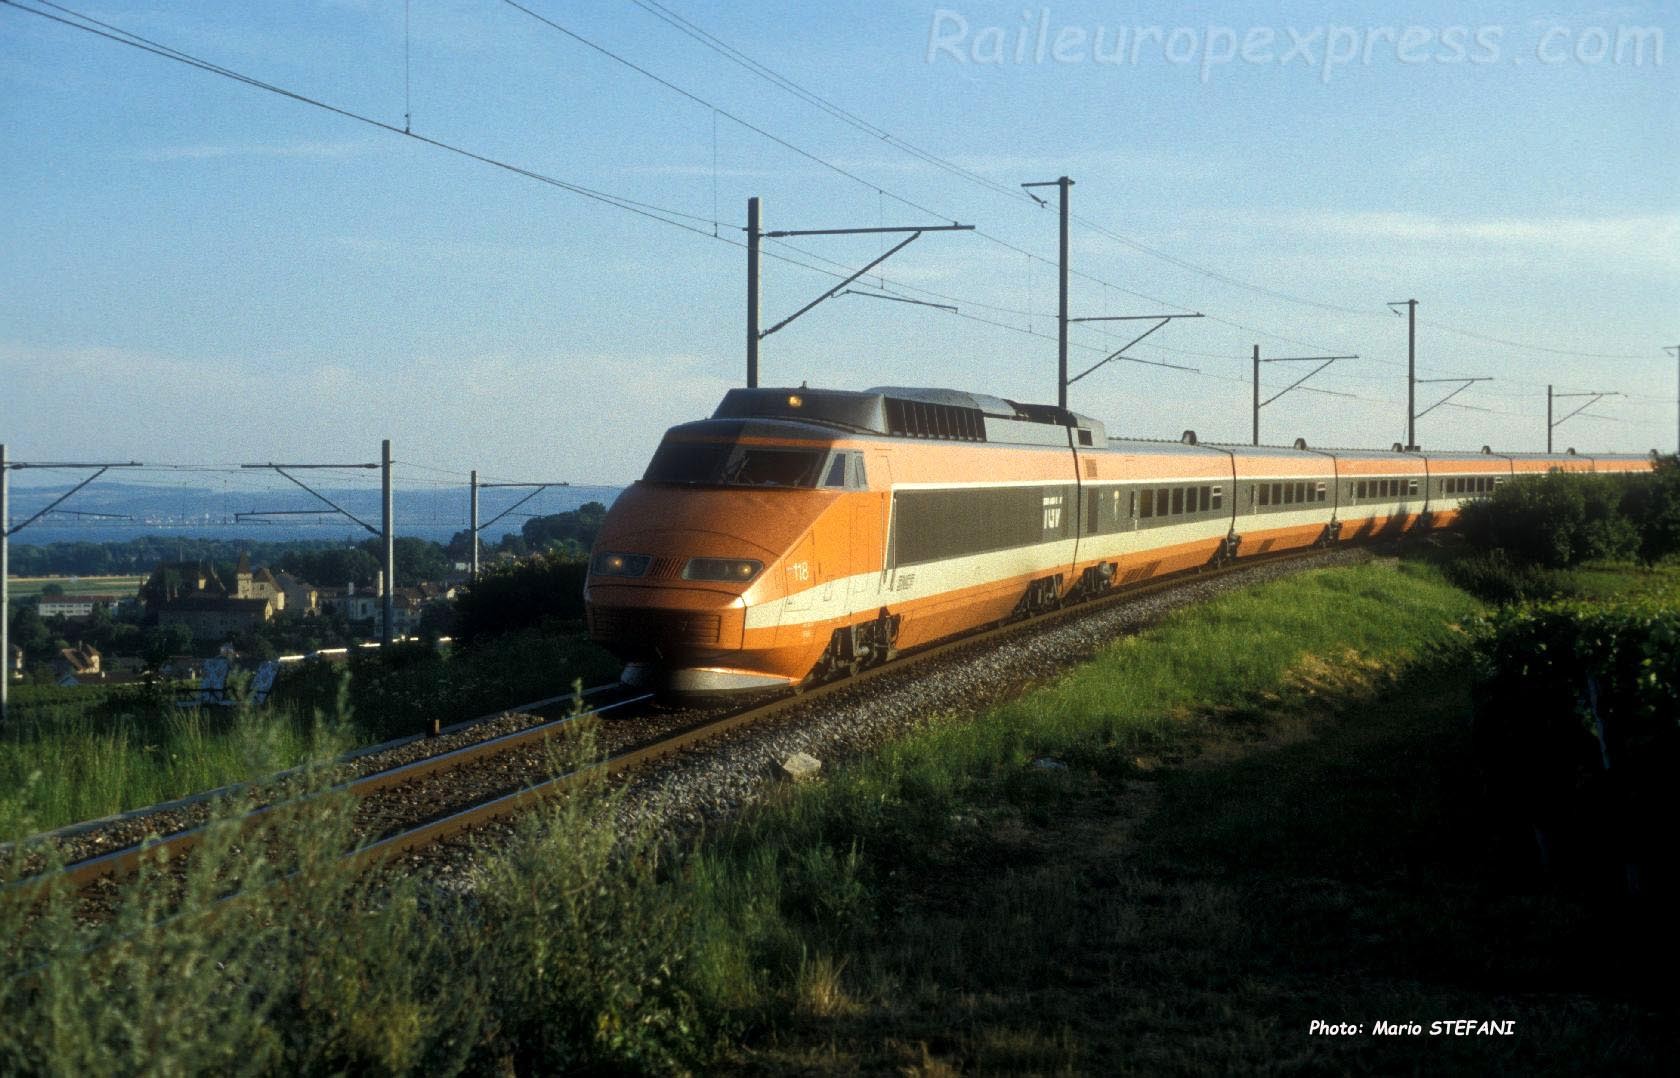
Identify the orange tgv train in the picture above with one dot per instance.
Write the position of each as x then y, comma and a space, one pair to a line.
799, 534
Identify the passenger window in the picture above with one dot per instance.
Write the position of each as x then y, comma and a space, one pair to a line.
1362, 489
1277, 493
1178, 500
836, 472
860, 478
1134, 502
1289, 494
1162, 501
1206, 495
1218, 497
1411, 487
1300, 492
1146, 505
1265, 494
1323, 492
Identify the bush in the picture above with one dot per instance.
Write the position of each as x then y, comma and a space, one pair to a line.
536, 592
1653, 504
568, 956
1495, 577
398, 690
1555, 520
1577, 728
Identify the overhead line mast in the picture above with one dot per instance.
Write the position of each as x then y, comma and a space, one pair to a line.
755, 236
1062, 183
6, 533
1676, 351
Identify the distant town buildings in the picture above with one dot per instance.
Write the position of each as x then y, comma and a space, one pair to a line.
77, 606
214, 617
300, 596
260, 584
78, 662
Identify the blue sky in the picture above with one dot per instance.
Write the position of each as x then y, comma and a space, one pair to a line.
197, 271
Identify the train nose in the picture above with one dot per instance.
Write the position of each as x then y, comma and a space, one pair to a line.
643, 624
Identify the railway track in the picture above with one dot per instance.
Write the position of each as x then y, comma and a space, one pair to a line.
418, 805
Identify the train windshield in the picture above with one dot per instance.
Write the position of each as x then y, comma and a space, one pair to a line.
734, 466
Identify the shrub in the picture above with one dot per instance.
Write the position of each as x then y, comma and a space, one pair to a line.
1577, 728
1495, 577
536, 592
1653, 504
1555, 520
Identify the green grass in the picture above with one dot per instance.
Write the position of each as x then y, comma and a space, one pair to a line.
56, 771
25, 587
1628, 580
567, 956
73, 754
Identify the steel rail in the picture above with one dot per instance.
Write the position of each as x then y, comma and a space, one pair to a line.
127, 860
512, 804
83, 874
75, 830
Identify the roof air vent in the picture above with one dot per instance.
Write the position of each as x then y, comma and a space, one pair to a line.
1398, 448
1570, 451
1488, 449
1188, 437
1300, 443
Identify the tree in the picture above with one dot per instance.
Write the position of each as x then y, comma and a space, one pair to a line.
520, 595
54, 588
571, 532
332, 567
30, 633
162, 641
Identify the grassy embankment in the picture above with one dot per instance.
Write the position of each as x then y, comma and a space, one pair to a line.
1262, 815
77, 754
1267, 816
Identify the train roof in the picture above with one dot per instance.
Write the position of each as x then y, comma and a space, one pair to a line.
913, 412
929, 412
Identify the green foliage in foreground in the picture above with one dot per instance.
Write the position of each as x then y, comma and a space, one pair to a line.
1578, 729
78, 754
62, 769
565, 956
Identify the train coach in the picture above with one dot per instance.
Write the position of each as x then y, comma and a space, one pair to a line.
801, 534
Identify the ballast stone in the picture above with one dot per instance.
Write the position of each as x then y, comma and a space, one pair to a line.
800, 767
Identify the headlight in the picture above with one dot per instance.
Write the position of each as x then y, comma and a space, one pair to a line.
740, 570
608, 563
